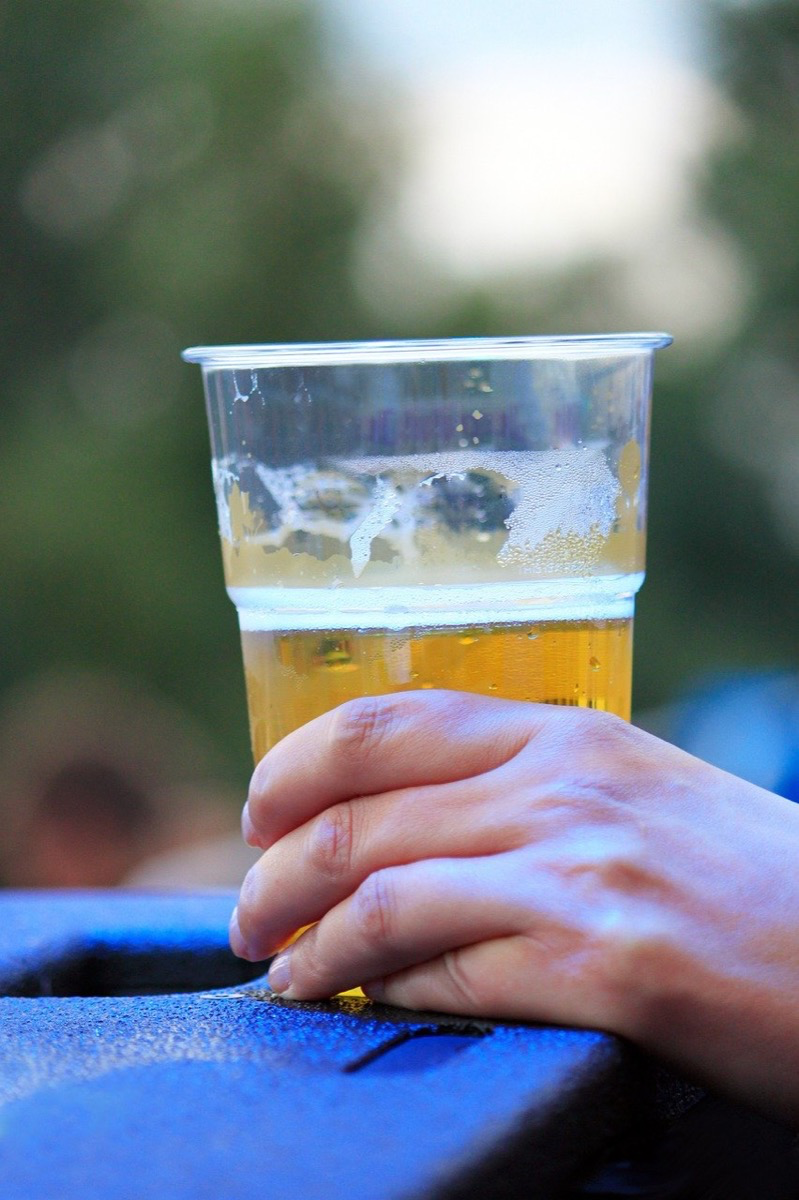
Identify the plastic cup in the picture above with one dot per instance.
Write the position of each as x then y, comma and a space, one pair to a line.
465, 514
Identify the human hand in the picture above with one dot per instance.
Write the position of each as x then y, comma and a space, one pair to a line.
479, 856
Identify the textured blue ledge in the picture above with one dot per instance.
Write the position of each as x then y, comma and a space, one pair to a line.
229, 1092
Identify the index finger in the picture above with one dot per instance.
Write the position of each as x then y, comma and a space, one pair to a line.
381, 743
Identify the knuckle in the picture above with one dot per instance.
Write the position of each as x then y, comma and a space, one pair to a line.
308, 965
460, 982
260, 783
635, 965
594, 762
248, 893
625, 872
376, 908
592, 725
358, 727
332, 840
251, 898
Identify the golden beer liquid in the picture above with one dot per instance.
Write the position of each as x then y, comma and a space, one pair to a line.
296, 675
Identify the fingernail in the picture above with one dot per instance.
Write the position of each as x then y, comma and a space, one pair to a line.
375, 989
237, 942
247, 827
280, 973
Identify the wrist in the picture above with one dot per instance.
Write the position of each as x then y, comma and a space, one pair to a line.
713, 986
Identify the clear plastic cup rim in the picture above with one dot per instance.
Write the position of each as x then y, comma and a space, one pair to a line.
387, 353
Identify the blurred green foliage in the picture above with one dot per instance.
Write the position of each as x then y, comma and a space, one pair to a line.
169, 174
191, 172
724, 495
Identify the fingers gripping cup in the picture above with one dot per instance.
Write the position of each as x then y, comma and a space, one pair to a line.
466, 514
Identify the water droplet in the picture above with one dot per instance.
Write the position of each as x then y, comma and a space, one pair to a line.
463, 443
468, 639
492, 687
475, 441
478, 416
533, 634
594, 663
459, 428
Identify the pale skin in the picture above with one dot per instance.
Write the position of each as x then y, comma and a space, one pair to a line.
486, 857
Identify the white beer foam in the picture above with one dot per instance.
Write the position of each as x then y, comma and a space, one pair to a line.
566, 492
570, 492
386, 503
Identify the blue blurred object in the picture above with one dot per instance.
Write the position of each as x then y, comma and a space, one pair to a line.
747, 724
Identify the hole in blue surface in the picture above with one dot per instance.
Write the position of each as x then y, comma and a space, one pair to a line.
106, 970
417, 1050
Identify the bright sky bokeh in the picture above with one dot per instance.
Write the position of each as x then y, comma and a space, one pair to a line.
541, 133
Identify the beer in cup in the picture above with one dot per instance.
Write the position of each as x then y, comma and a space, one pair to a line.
462, 513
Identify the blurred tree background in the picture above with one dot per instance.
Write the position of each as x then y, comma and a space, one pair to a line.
172, 174
724, 500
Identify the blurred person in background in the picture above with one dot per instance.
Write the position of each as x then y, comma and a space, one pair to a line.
102, 784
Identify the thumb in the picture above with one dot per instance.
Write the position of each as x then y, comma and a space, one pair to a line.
493, 978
